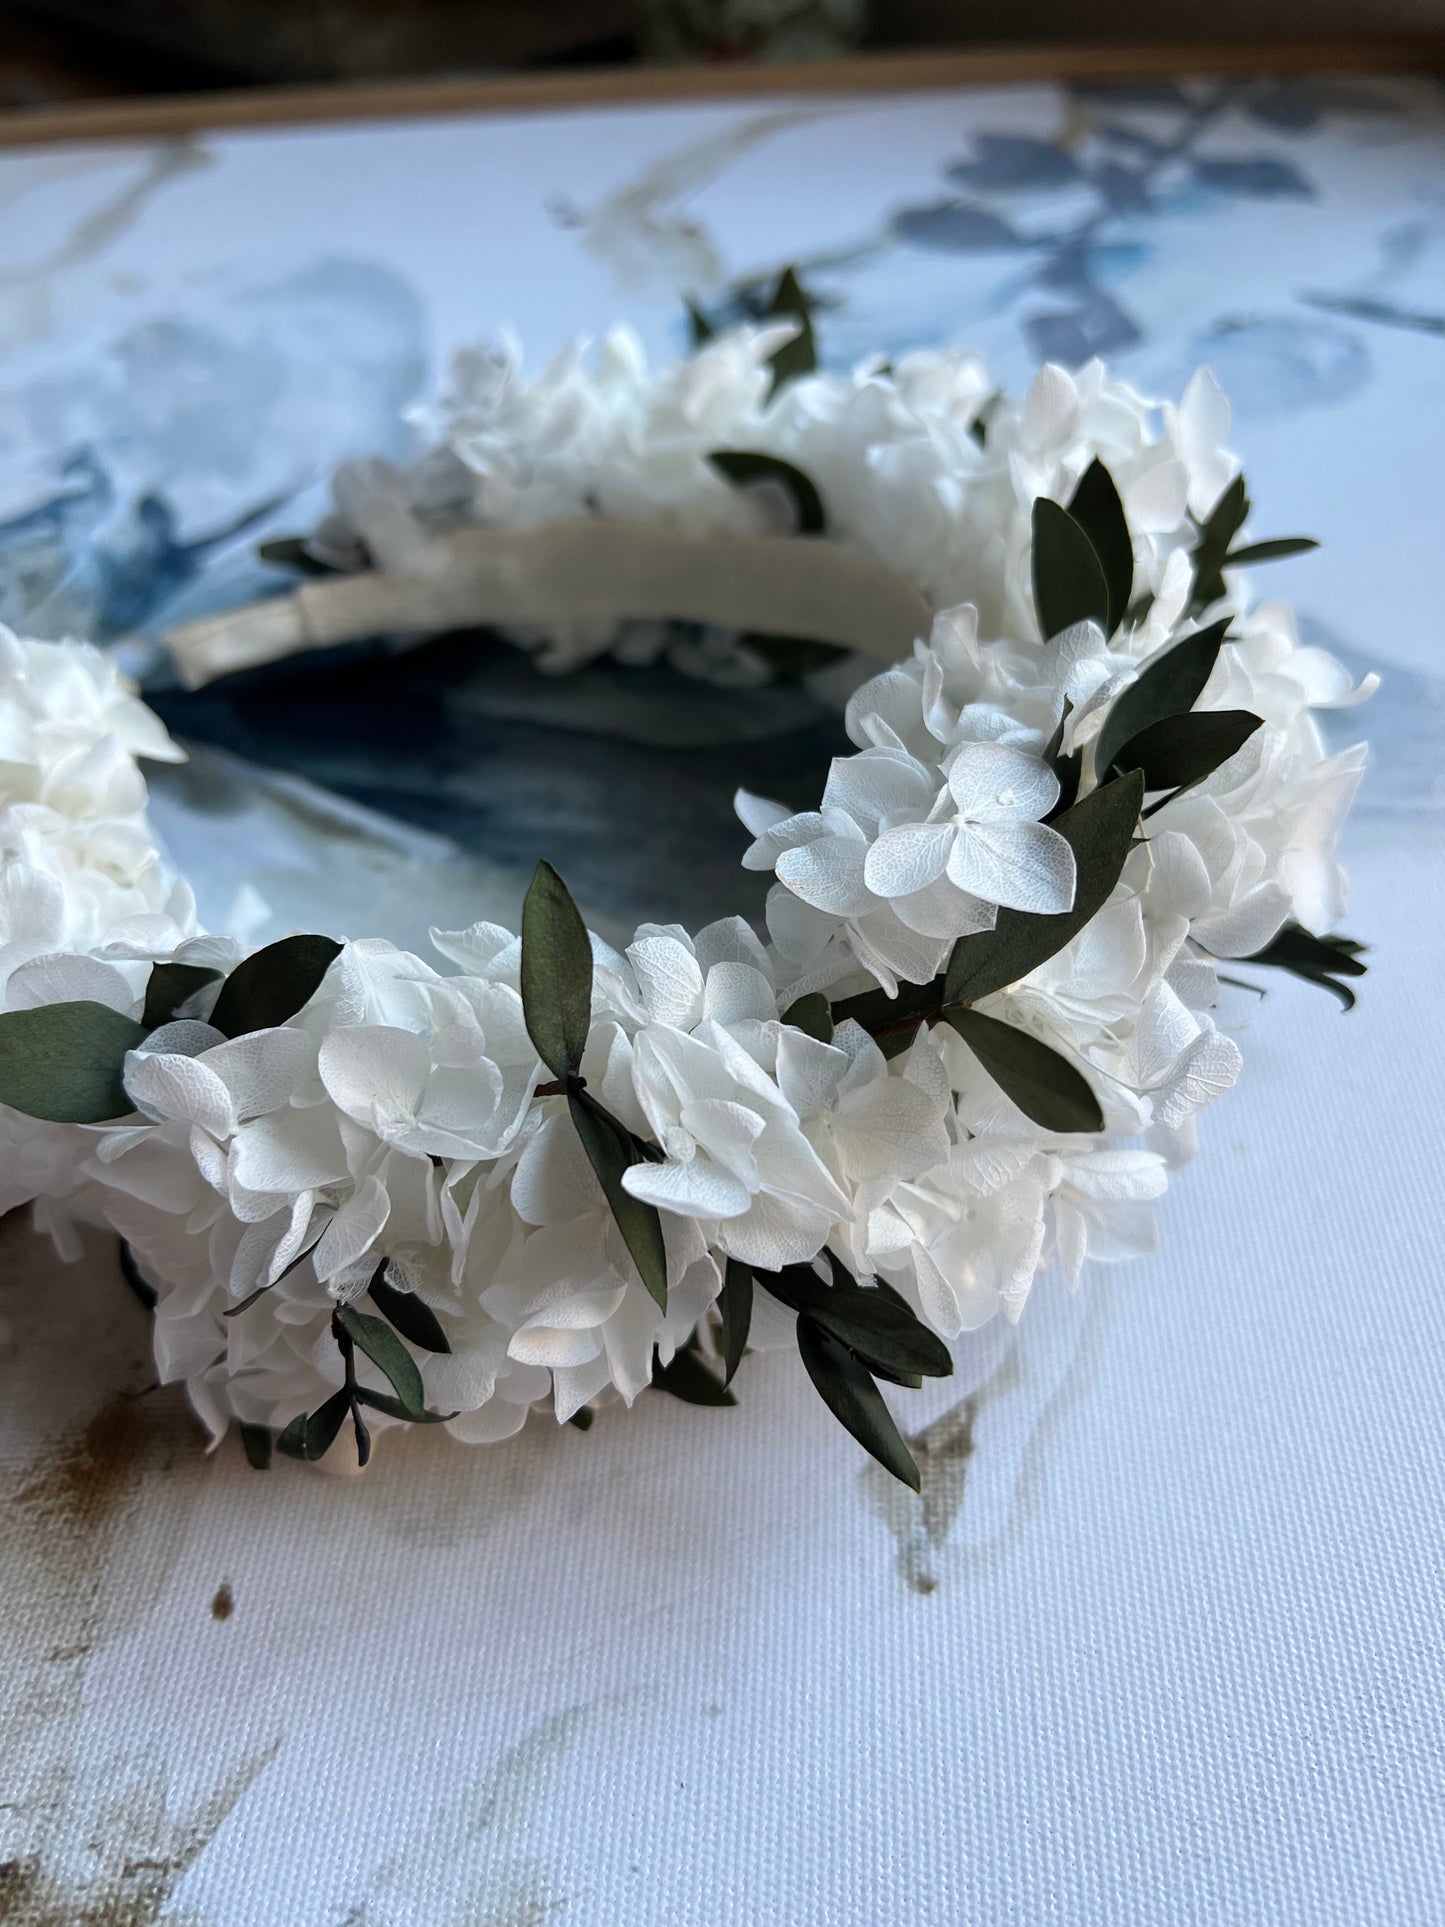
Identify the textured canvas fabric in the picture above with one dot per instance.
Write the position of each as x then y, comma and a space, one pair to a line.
1159, 1645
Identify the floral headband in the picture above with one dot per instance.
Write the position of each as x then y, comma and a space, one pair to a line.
362, 1191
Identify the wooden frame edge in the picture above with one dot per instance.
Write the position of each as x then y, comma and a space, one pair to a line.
243, 108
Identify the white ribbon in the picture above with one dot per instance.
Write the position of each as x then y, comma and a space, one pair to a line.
579, 571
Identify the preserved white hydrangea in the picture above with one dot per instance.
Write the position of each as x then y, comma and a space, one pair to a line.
827, 1095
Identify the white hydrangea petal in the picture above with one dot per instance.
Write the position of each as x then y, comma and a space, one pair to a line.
466, 1100
787, 834
670, 980
183, 1037
908, 859
1211, 1067
737, 992
726, 1131
166, 1086
828, 875
1154, 501
1050, 408
475, 948
876, 783
287, 1152
894, 699
991, 781
894, 1130
372, 1070
774, 1232
696, 1189
1019, 866
731, 940
264, 1069
757, 814
809, 1072
32, 905
1248, 925
944, 911
354, 1228
553, 1346
64, 978
800, 931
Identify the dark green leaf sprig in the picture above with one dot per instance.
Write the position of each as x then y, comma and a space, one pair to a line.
789, 301
849, 1336
1213, 552
557, 1007
311, 1435
1322, 961
65, 1062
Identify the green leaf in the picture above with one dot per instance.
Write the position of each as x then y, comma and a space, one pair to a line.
582, 1418
847, 1389
168, 987
796, 1286
1100, 831
875, 1010
325, 1422
270, 987
312, 1436
1069, 583
1169, 685
234, 1311
1278, 550
393, 1407
811, 1015
1096, 507
690, 1380
1316, 960
700, 329
735, 1306
1179, 750
556, 973
291, 1440
413, 1317
291, 552
743, 467
800, 355
886, 1313
1222, 524
611, 1150
386, 1351
257, 1442
66, 1062
883, 1332
1045, 1086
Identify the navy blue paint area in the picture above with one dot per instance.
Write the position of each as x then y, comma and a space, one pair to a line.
622, 777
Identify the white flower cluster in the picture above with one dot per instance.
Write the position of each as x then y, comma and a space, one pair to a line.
895, 449
402, 1113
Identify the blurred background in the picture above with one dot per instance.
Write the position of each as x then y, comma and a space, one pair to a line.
57, 50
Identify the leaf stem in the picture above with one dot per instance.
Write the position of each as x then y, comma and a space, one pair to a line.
347, 1347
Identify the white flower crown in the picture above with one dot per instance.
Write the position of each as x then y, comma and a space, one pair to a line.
365, 1192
